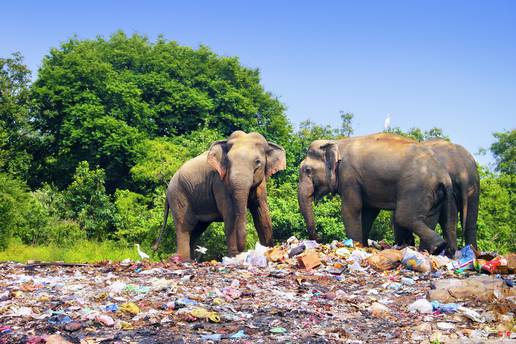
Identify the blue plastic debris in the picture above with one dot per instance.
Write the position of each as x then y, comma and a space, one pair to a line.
238, 335
214, 336
444, 307
111, 308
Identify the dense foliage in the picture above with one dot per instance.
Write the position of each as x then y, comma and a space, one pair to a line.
88, 148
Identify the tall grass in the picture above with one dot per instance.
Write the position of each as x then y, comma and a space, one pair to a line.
81, 252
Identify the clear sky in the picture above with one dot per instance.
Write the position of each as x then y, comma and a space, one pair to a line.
450, 64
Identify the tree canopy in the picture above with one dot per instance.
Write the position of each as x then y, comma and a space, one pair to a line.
96, 100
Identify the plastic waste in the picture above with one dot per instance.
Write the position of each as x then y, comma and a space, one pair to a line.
444, 307
257, 256
465, 259
385, 260
184, 302
137, 289
239, 259
445, 326
203, 313
5, 329
59, 319
214, 337
310, 244
238, 335
296, 250
278, 330
416, 261
73, 326
494, 265
407, 281
378, 310
471, 314
105, 320
348, 243
421, 306
342, 252
117, 287
111, 308
130, 308
355, 267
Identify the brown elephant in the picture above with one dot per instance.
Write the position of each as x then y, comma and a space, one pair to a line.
463, 172
220, 185
377, 172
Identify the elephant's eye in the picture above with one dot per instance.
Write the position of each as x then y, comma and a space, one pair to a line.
257, 162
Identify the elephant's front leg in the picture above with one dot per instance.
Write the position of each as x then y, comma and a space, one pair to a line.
261, 216
231, 237
351, 209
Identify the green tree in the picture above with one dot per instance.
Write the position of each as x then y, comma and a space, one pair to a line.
15, 130
418, 134
504, 151
96, 100
346, 128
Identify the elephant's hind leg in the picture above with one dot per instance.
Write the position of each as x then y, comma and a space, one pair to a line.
199, 228
407, 216
185, 222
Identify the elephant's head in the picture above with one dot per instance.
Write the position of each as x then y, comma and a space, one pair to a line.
243, 161
317, 177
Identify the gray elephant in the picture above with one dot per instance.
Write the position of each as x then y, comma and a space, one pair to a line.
463, 172
377, 172
220, 185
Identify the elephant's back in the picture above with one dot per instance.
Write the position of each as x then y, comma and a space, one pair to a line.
194, 176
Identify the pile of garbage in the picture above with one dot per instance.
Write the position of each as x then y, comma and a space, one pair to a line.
300, 291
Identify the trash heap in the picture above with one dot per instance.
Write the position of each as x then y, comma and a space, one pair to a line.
300, 291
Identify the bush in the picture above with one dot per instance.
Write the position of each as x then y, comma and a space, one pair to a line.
497, 216
13, 197
88, 202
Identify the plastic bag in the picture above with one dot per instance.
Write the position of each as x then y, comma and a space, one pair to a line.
421, 306
416, 261
465, 259
385, 260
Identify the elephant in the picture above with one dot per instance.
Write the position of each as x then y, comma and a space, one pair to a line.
463, 172
220, 185
375, 172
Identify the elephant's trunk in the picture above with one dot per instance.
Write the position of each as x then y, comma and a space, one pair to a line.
305, 198
240, 191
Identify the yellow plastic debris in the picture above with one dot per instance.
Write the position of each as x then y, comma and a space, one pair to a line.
205, 314
102, 296
124, 325
130, 308
218, 301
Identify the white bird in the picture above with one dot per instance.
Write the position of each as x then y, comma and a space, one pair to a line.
201, 250
387, 122
142, 254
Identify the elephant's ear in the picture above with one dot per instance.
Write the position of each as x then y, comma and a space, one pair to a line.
332, 157
276, 159
217, 157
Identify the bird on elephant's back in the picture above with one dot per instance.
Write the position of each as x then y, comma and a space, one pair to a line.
220, 185
374, 172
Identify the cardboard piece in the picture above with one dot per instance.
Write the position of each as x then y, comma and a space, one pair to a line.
309, 260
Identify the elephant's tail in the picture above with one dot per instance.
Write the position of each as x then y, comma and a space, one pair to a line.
155, 246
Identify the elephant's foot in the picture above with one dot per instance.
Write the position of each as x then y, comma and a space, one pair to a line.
233, 252
436, 246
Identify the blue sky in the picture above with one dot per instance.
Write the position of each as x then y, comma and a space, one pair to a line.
450, 64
